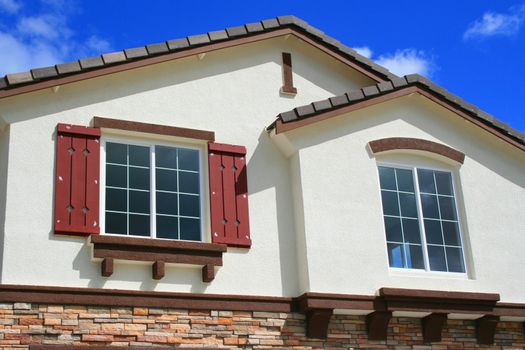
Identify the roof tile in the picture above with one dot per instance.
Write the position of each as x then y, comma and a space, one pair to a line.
45, 72
339, 100
198, 39
399, 82
385, 86
303, 111
70, 67
355, 95
236, 31
91, 62
370, 91
218, 35
19, 78
114, 57
136, 52
270, 23
254, 27
314, 31
284, 20
288, 116
154, 49
322, 105
178, 44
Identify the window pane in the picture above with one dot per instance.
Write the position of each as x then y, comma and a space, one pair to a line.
139, 225
166, 157
447, 208
189, 205
451, 233
138, 155
190, 229
411, 231
116, 199
167, 227
455, 260
116, 153
166, 203
436, 257
408, 205
116, 223
433, 232
426, 181
188, 159
430, 206
116, 176
444, 183
387, 178
393, 229
405, 181
166, 180
189, 182
395, 255
139, 202
139, 178
414, 255
390, 204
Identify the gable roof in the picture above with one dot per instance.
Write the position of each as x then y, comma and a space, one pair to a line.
370, 95
12, 84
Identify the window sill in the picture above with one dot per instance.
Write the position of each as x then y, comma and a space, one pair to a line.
158, 252
427, 274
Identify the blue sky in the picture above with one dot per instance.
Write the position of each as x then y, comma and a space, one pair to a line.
474, 48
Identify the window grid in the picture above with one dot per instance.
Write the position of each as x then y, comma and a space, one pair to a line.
153, 190
421, 217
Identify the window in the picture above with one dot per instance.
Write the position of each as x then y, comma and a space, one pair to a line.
152, 190
421, 221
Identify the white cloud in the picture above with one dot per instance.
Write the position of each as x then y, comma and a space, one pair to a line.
44, 39
407, 61
492, 24
364, 51
10, 6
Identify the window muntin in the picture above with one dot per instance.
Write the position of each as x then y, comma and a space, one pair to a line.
421, 221
153, 190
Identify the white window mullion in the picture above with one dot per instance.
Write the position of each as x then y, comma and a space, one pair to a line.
421, 220
153, 194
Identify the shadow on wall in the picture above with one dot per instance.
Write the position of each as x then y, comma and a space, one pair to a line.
260, 178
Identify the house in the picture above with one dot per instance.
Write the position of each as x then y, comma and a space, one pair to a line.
260, 186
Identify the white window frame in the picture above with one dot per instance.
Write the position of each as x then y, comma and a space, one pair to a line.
413, 167
153, 214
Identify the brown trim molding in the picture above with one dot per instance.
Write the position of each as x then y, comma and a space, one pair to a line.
407, 143
127, 125
158, 252
288, 74
186, 53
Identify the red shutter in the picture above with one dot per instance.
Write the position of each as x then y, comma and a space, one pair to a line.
77, 177
229, 195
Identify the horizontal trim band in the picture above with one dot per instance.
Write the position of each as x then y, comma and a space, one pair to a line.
391, 299
157, 129
408, 143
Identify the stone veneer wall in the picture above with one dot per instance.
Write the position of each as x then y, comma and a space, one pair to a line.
22, 324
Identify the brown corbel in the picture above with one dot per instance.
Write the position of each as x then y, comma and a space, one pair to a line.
377, 324
158, 270
432, 326
317, 321
208, 273
107, 267
486, 329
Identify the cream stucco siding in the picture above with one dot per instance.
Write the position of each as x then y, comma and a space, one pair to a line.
343, 227
233, 92
4, 155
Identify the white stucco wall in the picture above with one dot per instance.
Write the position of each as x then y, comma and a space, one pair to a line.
4, 155
234, 92
343, 224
